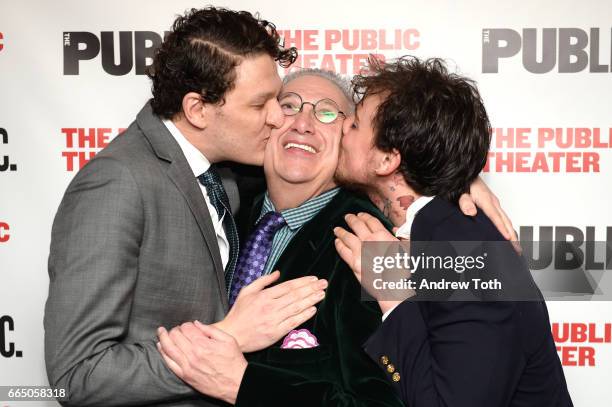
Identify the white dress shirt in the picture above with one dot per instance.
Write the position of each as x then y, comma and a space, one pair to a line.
404, 231
199, 164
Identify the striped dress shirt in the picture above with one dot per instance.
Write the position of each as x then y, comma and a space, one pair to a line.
295, 218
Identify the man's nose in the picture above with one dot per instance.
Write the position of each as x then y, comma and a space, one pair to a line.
275, 117
304, 120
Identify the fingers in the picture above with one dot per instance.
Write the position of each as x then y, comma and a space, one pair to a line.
513, 237
467, 205
383, 236
494, 211
351, 241
507, 223
364, 226
183, 342
296, 320
488, 202
261, 283
358, 225
172, 365
494, 214
214, 332
296, 302
344, 251
190, 331
373, 224
348, 247
288, 286
170, 348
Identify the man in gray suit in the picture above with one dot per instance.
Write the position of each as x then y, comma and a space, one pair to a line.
145, 236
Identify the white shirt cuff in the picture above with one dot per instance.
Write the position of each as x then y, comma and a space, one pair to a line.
386, 314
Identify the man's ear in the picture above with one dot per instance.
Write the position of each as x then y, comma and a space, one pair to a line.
195, 110
388, 162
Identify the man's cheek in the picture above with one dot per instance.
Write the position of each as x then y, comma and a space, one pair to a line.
343, 144
335, 164
267, 148
279, 131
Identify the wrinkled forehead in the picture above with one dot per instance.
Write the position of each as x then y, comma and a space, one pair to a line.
312, 88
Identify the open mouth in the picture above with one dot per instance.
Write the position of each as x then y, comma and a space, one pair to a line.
304, 147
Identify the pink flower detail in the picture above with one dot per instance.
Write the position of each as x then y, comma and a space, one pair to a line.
300, 339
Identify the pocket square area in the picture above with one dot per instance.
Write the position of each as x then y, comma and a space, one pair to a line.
300, 339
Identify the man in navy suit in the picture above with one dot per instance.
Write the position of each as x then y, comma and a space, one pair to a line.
424, 135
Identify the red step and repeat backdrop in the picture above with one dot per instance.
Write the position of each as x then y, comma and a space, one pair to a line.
71, 78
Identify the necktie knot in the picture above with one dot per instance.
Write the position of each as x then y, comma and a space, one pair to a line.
211, 178
216, 192
271, 222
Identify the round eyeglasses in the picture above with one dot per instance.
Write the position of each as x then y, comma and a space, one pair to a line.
325, 110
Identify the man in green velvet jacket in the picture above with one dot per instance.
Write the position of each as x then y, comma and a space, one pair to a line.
321, 363
300, 162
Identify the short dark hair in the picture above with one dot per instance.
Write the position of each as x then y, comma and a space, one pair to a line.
201, 52
435, 119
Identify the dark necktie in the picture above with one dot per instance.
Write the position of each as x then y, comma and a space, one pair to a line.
255, 253
216, 193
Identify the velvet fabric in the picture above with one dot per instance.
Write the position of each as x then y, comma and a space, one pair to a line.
338, 372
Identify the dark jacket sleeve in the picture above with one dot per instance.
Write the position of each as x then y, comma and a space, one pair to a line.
466, 354
454, 353
471, 353
352, 379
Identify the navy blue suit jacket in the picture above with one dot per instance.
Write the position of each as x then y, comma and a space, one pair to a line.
468, 353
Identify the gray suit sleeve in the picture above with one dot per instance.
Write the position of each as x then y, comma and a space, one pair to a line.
93, 268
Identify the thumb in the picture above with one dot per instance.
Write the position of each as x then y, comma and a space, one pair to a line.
466, 203
261, 283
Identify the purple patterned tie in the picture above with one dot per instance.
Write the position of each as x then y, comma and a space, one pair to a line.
255, 252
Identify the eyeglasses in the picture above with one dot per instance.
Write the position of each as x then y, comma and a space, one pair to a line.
325, 110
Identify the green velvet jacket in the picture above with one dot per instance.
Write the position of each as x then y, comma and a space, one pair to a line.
338, 372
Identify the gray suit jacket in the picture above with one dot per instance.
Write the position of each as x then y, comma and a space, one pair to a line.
132, 248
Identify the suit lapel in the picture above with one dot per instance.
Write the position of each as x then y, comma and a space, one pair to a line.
179, 172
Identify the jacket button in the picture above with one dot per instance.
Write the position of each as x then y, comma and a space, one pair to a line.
396, 377
390, 368
384, 360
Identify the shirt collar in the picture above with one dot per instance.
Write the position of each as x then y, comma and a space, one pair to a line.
411, 212
297, 217
198, 163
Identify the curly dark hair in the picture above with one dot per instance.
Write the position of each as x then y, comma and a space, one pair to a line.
201, 52
435, 119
